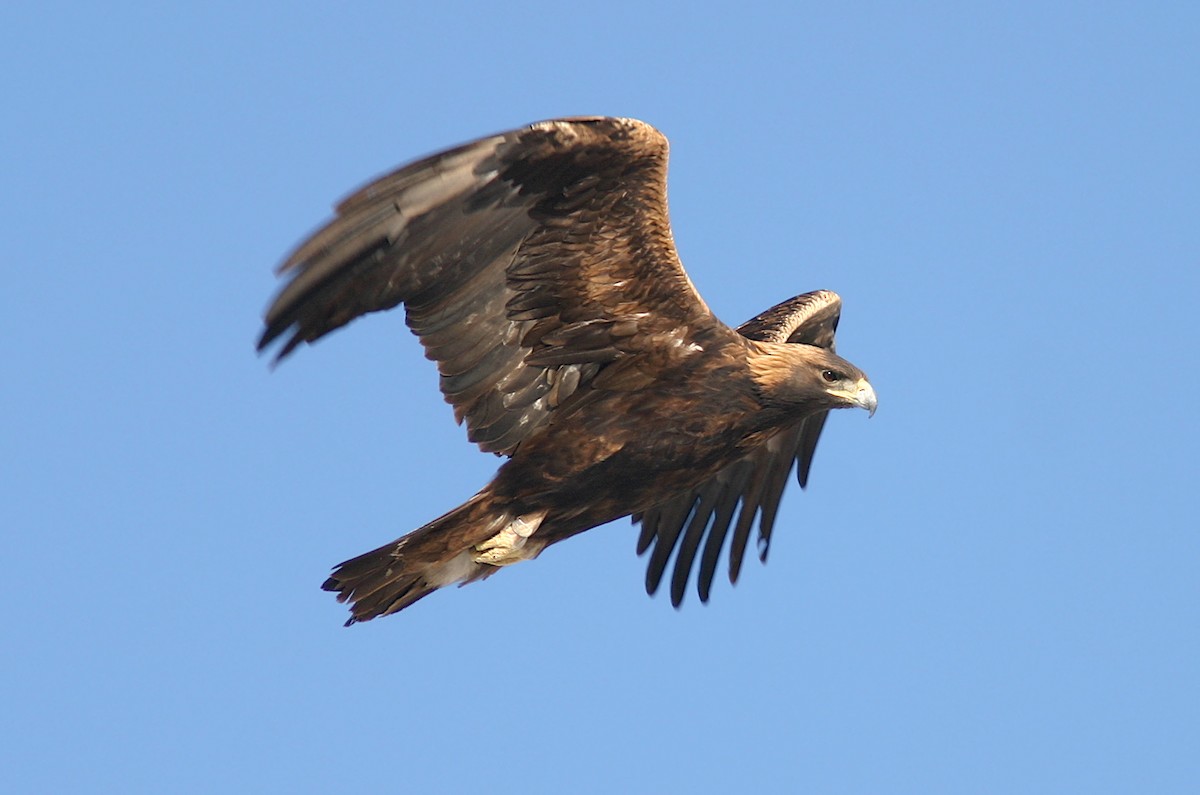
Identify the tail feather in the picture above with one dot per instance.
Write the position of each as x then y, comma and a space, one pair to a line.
396, 575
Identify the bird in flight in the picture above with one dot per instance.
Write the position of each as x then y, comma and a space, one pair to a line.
538, 269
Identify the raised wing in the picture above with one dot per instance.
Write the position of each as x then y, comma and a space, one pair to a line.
525, 261
754, 482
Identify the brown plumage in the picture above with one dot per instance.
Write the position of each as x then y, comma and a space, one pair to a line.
538, 270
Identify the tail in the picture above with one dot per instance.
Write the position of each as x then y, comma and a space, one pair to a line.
449, 549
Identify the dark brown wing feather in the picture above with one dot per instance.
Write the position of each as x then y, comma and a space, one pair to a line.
525, 261
754, 483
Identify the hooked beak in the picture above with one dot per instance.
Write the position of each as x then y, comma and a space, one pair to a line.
864, 396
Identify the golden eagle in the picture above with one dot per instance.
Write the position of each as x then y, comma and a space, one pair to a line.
538, 270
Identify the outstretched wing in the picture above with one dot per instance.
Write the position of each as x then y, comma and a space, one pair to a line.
755, 482
525, 261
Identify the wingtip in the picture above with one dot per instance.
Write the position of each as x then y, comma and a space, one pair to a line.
269, 336
804, 471
334, 585
651, 582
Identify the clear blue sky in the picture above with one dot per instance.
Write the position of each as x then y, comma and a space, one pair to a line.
989, 587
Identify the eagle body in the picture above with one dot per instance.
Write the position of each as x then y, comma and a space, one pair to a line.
703, 411
538, 269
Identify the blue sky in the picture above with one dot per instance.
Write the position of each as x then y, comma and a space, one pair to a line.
989, 587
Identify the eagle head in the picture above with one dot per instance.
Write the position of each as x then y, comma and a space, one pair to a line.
808, 378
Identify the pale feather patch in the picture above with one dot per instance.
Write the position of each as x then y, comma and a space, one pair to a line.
511, 545
459, 568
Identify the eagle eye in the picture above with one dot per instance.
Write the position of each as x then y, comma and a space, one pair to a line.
830, 376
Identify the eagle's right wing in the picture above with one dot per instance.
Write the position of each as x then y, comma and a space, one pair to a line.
526, 261
755, 481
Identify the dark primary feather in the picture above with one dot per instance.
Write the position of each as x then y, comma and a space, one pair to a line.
754, 483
